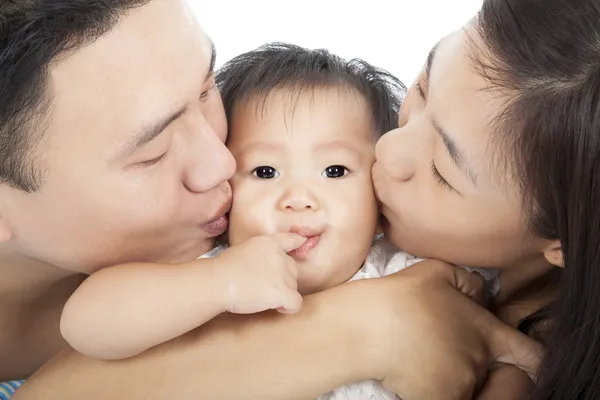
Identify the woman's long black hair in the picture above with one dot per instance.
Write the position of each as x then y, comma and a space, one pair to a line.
545, 55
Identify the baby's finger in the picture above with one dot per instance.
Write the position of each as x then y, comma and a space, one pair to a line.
290, 281
292, 268
288, 241
291, 302
470, 284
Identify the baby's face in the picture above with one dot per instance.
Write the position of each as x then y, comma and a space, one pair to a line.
304, 165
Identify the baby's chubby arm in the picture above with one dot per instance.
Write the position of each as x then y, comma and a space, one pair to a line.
123, 310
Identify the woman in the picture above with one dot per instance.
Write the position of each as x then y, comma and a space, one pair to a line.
495, 165
505, 120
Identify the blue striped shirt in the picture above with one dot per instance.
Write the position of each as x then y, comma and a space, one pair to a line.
7, 389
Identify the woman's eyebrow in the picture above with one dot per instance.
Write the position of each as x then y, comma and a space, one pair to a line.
430, 59
456, 154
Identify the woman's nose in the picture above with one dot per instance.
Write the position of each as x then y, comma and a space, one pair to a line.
395, 155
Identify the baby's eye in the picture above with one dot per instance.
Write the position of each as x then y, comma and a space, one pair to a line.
265, 172
334, 171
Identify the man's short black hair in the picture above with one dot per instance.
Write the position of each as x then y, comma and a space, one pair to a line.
254, 75
32, 34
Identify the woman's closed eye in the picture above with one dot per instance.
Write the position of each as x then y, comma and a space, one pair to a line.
439, 178
265, 172
420, 90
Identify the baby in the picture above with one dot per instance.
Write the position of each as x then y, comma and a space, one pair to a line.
302, 127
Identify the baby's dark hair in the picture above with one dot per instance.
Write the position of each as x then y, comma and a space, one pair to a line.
256, 74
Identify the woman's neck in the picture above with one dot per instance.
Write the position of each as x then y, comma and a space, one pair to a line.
525, 288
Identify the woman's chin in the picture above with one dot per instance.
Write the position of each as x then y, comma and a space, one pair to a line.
400, 237
390, 232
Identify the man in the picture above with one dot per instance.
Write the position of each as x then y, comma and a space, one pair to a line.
112, 150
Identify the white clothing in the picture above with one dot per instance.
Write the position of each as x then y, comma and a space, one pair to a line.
384, 259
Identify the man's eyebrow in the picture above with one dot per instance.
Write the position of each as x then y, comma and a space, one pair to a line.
456, 154
148, 133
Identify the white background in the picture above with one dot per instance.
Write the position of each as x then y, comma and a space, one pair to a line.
392, 34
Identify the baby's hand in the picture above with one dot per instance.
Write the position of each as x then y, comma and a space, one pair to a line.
258, 275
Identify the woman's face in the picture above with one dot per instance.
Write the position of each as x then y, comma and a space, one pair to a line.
445, 190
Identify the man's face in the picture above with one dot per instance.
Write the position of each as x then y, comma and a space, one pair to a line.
134, 157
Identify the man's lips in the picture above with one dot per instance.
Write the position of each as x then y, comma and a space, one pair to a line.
219, 225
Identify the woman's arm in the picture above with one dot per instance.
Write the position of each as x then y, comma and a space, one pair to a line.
413, 330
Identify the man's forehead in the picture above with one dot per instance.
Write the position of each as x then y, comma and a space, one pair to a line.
150, 64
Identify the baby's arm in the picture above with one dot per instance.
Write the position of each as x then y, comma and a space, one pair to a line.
121, 311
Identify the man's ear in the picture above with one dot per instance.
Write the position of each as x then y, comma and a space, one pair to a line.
554, 254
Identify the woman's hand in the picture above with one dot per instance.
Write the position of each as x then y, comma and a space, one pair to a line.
506, 382
436, 343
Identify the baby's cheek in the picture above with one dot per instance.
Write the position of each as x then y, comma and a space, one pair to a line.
246, 222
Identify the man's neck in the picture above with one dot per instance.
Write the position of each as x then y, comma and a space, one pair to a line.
32, 296
24, 276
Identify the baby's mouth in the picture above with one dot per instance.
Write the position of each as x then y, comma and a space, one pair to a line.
312, 235
301, 253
